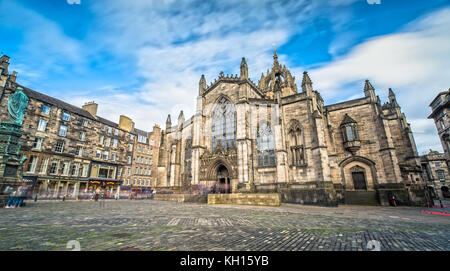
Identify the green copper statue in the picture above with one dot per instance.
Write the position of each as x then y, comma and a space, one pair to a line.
17, 104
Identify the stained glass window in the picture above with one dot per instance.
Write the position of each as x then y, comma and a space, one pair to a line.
223, 129
266, 146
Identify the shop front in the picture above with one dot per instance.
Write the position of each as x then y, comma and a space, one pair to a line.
58, 188
108, 187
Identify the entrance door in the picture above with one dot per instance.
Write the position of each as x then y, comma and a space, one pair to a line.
223, 180
359, 181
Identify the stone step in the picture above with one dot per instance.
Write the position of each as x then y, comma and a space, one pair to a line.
361, 198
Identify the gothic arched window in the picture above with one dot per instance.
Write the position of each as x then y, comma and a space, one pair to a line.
296, 144
223, 129
188, 157
266, 146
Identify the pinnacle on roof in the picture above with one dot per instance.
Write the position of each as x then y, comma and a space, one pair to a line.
368, 85
243, 62
181, 114
306, 79
391, 93
275, 59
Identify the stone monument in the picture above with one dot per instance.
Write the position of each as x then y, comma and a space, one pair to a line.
11, 162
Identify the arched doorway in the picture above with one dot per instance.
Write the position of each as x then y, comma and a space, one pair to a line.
223, 180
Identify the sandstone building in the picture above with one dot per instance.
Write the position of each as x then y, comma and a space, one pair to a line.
436, 174
71, 150
440, 108
275, 137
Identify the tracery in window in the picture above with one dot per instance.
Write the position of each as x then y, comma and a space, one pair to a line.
296, 144
266, 146
223, 129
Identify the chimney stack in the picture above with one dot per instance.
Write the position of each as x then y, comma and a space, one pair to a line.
91, 107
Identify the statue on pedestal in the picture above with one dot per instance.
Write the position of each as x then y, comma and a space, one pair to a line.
11, 161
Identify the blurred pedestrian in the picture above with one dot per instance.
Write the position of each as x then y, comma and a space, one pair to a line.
12, 200
97, 193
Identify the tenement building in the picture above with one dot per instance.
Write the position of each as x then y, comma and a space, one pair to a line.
440, 108
70, 150
436, 174
271, 137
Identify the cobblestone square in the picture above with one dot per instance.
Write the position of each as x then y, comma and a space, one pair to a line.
168, 226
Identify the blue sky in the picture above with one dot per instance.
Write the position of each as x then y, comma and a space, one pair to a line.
143, 59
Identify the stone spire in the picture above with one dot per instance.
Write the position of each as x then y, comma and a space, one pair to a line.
369, 91
307, 84
202, 85
244, 69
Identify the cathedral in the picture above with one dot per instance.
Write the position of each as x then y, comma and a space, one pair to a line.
273, 137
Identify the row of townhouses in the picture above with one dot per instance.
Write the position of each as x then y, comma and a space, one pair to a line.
71, 151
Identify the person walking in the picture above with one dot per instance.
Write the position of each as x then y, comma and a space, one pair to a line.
21, 194
97, 193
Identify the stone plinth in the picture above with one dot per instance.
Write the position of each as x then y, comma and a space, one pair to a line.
272, 199
181, 197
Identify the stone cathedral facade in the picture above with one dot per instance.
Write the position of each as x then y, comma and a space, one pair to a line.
275, 137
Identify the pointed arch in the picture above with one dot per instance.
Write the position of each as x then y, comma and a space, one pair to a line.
266, 145
223, 124
296, 143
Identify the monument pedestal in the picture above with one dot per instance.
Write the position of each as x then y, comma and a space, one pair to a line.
11, 162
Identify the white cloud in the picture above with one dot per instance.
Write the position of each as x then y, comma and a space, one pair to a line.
174, 42
414, 62
44, 46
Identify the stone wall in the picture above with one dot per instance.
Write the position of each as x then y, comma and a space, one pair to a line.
272, 199
181, 197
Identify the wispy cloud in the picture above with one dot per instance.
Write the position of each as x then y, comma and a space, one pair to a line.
174, 42
414, 62
161, 47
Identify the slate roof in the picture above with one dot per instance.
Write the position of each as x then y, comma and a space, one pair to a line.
140, 132
70, 108
53, 101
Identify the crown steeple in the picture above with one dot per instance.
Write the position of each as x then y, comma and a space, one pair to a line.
276, 64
